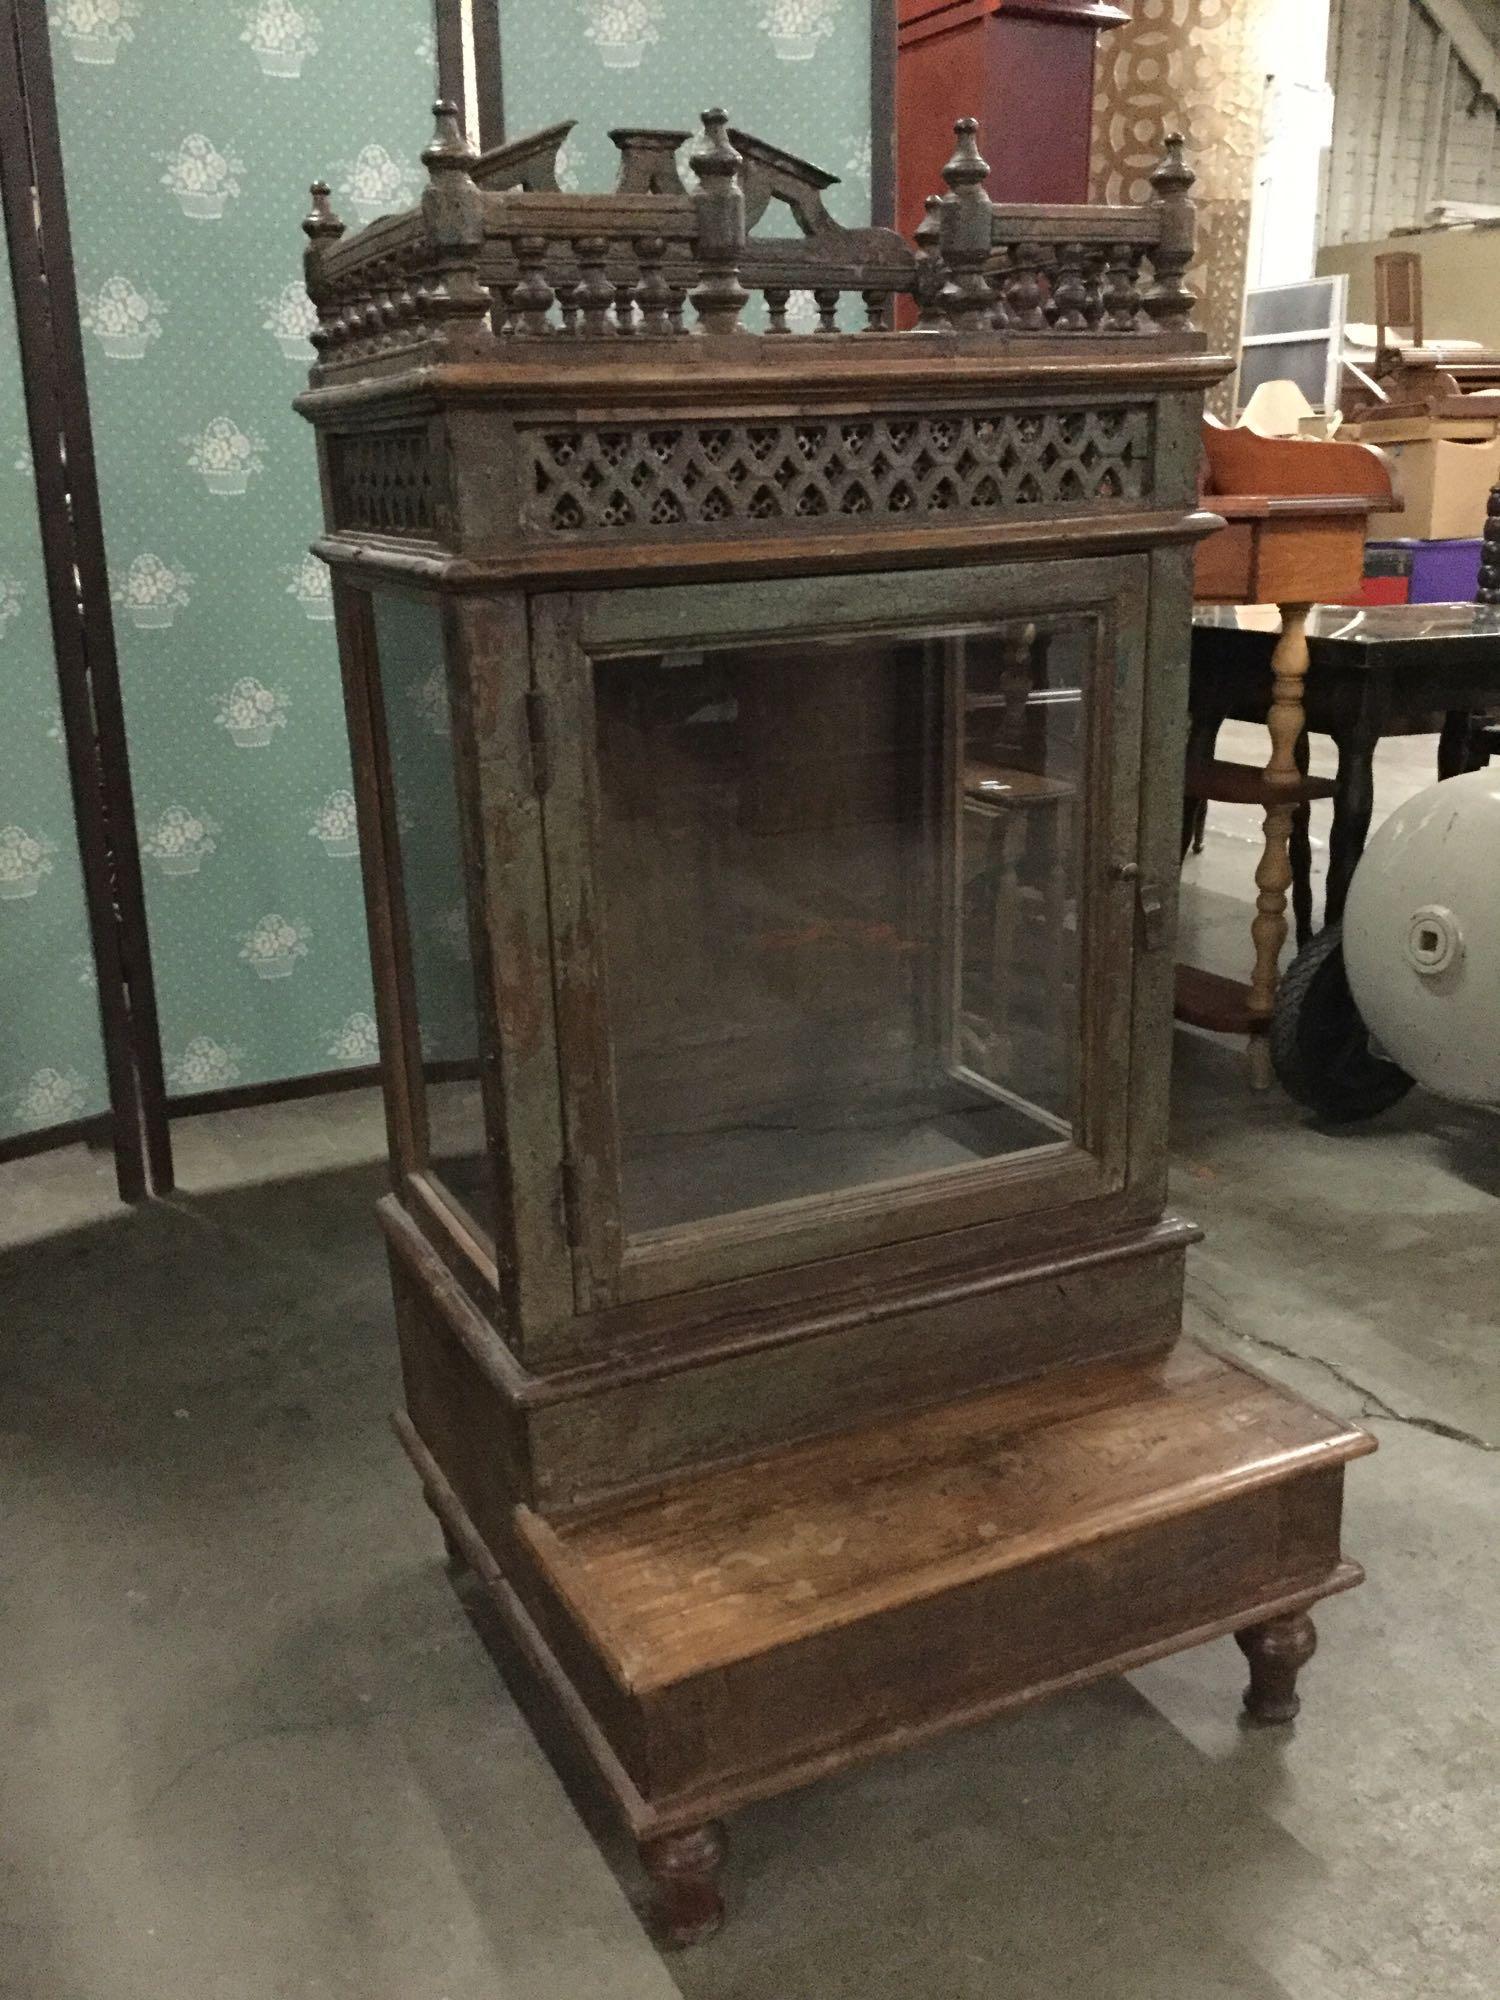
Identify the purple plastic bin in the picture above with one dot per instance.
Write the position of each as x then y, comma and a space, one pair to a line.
1440, 572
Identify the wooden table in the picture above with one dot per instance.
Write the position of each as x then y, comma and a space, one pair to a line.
1296, 512
1391, 670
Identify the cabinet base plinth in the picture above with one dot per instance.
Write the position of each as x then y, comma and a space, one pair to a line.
754, 1627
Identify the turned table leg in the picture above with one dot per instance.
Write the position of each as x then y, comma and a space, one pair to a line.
1273, 876
688, 1904
1277, 1652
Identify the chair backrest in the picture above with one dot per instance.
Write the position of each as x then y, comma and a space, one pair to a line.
1398, 303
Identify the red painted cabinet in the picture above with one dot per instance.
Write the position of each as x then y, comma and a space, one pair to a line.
1023, 68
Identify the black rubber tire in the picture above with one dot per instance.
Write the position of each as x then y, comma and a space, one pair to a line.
1320, 1047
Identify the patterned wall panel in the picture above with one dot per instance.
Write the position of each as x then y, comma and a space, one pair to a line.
51, 1054
1198, 66
190, 130
796, 72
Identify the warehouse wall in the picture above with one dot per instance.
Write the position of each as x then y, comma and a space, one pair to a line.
1415, 116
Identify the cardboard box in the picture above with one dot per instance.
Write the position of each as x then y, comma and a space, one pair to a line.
1445, 487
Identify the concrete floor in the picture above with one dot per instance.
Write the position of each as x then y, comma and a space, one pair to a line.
255, 1748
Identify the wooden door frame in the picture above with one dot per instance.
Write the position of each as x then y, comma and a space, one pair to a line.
569, 633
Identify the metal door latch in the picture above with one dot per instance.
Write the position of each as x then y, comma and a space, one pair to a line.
1150, 908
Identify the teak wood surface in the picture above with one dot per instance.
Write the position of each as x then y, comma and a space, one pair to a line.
796, 1480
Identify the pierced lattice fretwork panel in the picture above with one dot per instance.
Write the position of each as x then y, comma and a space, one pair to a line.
385, 483
583, 480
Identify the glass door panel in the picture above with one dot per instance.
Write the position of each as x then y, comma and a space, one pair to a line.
440, 991
839, 886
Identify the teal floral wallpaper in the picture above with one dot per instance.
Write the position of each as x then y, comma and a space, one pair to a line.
51, 1055
796, 72
190, 130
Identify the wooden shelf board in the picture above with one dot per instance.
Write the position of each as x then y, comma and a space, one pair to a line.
1209, 1000
1248, 785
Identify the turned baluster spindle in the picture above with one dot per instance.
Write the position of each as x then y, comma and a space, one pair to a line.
459, 304
1046, 264
1094, 263
595, 294
1489, 554
999, 277
1023, 295
531, 296
322, 228
965, 222
569, 303
1122, 299
1069, 292
777, 298
876, 302
929, 277
1169, 301
1273, 875
826, 299
653, 294
625, 289
719, 240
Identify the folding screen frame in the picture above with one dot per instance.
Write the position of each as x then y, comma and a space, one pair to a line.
51, 348
468, 38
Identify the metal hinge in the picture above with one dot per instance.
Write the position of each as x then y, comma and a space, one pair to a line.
1150, 909
540, 741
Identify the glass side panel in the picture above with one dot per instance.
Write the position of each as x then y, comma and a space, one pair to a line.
840, 890
414, 689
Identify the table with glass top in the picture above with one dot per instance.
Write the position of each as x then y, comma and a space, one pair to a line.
1390, 670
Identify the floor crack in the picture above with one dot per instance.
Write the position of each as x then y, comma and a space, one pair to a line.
1372, 1405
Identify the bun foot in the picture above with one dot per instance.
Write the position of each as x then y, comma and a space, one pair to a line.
1277, 1652
687, 1904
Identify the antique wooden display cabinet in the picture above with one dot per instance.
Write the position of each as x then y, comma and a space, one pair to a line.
768, 741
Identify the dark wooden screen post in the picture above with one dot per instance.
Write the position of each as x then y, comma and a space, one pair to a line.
51, 346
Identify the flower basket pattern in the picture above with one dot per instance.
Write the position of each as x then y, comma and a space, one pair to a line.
312, 586
202, 178
95, 29
152, 592
52, 1097
12, 594
290, 318
797, 26
180, 840
251, 713
430, 699
273, 946
336, 826
227, 457
356, 1041
24, 859
281, 36
622, 30
205, 1065
375, 183
123, 318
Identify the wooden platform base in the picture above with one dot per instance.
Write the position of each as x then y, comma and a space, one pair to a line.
751, 1628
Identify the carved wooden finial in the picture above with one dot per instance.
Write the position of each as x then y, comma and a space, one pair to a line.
449, 148
457, 306
927, 279
320, 224
1169, 301
719, 297
966, 229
